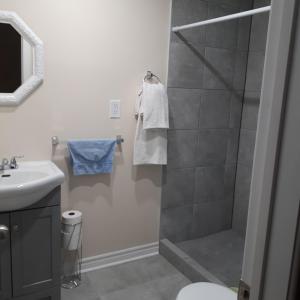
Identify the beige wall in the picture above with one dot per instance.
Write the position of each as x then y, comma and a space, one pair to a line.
95, 50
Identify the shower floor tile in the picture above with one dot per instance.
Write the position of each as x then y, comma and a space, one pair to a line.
221, 254
150, 278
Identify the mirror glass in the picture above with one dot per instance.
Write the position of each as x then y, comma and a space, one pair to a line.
16, 59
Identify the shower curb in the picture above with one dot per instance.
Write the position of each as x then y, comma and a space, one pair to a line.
185, 264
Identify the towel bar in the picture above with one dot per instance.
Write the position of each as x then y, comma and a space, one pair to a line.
55, 140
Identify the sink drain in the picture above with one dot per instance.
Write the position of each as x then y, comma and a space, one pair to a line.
5, 175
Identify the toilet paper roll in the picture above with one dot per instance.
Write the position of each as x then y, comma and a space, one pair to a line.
72, 236
71, 229
71, 217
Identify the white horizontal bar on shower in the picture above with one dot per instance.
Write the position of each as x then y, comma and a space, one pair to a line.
224, 18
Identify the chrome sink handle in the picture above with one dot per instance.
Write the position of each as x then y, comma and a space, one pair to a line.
4, 163
13, 162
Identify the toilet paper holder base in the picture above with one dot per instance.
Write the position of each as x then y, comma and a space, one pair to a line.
72, 255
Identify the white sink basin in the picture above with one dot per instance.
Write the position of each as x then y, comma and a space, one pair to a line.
27, 184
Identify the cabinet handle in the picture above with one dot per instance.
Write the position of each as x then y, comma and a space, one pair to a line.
4, 232
16, 228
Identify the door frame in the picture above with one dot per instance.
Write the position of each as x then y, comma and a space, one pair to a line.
271, 120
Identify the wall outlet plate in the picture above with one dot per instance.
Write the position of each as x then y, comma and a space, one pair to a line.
115, 109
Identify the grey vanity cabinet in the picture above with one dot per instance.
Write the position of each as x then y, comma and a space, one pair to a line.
35, 254
5, 270
30, 256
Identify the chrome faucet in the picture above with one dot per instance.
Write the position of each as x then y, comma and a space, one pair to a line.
13, 162
4, 163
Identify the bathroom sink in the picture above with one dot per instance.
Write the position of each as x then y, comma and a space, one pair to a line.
27, 184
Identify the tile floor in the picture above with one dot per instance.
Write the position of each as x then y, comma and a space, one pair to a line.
221, 254
151, 278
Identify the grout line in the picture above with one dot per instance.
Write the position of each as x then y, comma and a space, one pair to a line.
241, 122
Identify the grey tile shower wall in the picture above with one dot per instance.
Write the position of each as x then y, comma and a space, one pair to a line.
259, 29
207, 71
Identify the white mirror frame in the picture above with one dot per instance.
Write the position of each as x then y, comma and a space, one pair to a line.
36, 79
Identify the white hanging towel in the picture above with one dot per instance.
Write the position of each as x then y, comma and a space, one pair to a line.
150, 145
154, 106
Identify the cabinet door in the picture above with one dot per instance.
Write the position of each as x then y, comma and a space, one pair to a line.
35, 243
5, 271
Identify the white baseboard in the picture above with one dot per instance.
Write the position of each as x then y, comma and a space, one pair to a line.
118, 257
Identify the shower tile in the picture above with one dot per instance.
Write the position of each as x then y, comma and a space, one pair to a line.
241, 198
215, 184
209, 184
181, 148
228, 3
185, 263
221, 35
212, 147
255, 71
229, 183
185, 66
207, 78
186, 12
178, 187
215, 109
246, 4
240, 70
243, 181
233, 146
176, 223
244, 34
219, 68
250, 110
184, 106
236, 107
259, 32
260, 3
239, 222
211, 217
220, 253
246, 147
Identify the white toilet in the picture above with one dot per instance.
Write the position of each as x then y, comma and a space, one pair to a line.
206, 291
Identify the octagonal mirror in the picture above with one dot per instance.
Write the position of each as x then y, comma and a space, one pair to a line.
21, 60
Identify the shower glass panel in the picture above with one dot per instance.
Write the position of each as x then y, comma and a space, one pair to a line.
215, 75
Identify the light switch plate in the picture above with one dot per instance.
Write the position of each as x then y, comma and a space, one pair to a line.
115, 109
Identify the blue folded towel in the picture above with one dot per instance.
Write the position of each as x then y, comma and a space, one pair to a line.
90, 157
